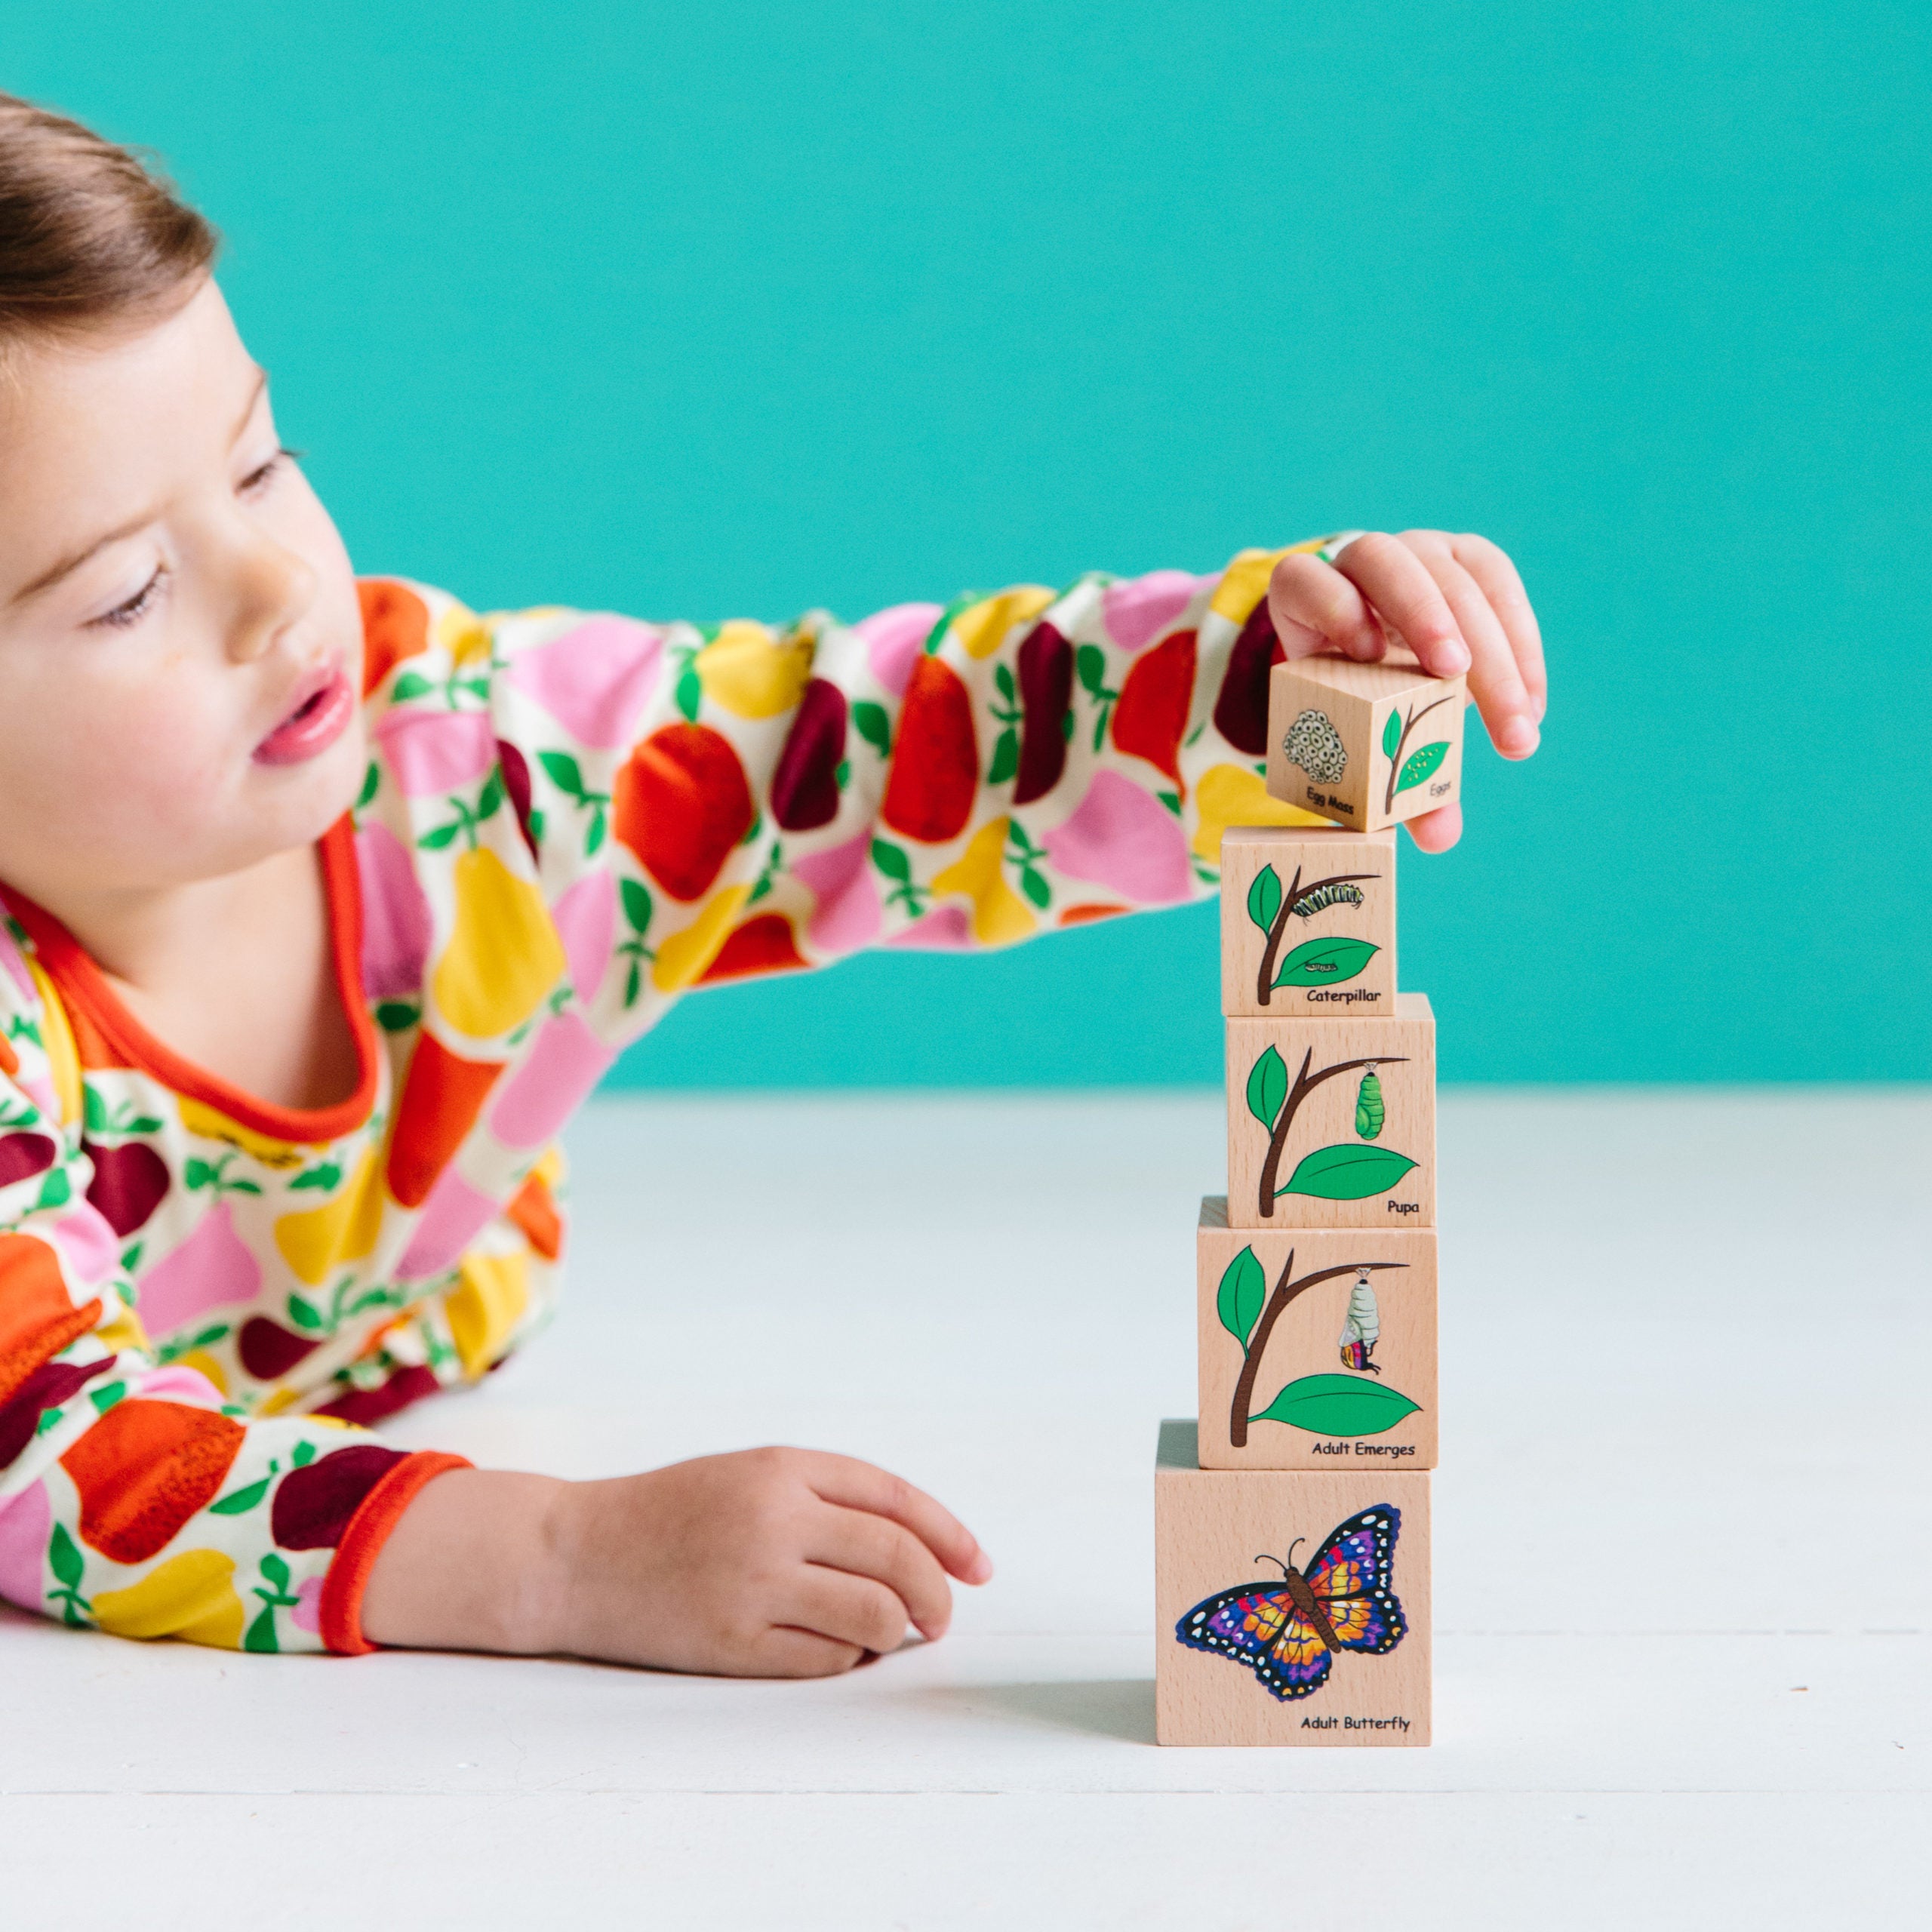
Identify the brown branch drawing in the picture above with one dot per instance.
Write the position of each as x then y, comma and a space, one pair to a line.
1402, 745
1304, 1085
1285, 1291
1295, 894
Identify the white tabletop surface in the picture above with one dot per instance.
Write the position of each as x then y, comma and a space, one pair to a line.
1683, 1533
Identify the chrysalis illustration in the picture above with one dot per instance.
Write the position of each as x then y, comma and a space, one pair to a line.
1370, 1113
1313, 743
1361, 1328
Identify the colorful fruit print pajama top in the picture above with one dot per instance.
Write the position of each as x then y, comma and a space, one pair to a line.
567, 822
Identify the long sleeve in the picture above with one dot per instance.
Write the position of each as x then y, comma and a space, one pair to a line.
700, 805
131, 1498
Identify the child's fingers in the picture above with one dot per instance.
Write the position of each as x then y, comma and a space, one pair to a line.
781, 1652
1408, 599
1495, 682
873, 1546
1502, 585
857, 1485
1436, 830
1314, 608
845, 1608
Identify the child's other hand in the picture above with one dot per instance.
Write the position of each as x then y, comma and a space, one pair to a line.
1456, 602
768, 1563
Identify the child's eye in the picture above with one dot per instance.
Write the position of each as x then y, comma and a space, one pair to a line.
135, 608
260, 479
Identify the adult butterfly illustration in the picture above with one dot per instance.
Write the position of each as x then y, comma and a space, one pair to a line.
1287, 1634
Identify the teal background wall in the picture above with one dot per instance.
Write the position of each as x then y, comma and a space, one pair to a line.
746, 307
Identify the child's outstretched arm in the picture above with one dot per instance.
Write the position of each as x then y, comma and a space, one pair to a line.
770, 1563
704, 805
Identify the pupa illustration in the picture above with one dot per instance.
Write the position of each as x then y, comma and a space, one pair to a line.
1361, 1328
1370, 1112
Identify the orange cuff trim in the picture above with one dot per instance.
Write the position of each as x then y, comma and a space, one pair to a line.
378, 1514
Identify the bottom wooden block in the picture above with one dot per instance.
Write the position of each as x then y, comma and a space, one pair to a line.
1291, 1605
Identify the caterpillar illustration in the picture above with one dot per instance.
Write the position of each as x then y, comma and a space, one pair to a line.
1370, 1112
1362, 1328
1310, 903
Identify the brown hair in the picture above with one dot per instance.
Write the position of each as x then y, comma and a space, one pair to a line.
90, 234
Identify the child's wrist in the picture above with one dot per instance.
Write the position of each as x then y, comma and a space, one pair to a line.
476, 1563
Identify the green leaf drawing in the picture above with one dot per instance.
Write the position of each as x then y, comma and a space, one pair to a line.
492, 794
637, 904
241, 1501
397, 1015
1338, 1405
870, 723
1264, 900
1090, 663
1347, 1173
890, 860
1003, 677
1267, 1088
1391, 733
372, 779
276, 1570
1006, 757
690, 692
1238, 1300
1035, 886
94, 1109
565, 773
261, 1633
1419, 764
56, 1190
63, 1559
411, 683
1325, 962
304, 1455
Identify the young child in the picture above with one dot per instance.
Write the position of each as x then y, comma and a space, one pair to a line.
327, 901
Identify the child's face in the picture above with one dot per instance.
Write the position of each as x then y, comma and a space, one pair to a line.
138, 688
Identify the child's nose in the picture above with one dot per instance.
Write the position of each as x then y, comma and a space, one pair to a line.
274, 588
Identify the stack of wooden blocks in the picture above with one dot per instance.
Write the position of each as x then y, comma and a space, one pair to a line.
1292, 1521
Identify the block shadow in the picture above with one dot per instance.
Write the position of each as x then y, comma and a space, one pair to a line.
1121, 1708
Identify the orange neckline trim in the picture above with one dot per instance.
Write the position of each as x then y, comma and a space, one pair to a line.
81, 982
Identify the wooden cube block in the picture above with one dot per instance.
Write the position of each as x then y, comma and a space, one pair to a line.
1331, 1123
1308, 921
1366, 745
1318, 1346
1291, 1606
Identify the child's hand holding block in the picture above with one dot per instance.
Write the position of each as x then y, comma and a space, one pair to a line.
1366, 745
1308, 921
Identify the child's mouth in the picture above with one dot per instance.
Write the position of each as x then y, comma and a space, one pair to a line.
313, 725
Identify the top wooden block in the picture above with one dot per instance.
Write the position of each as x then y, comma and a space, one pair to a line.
1366, 745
